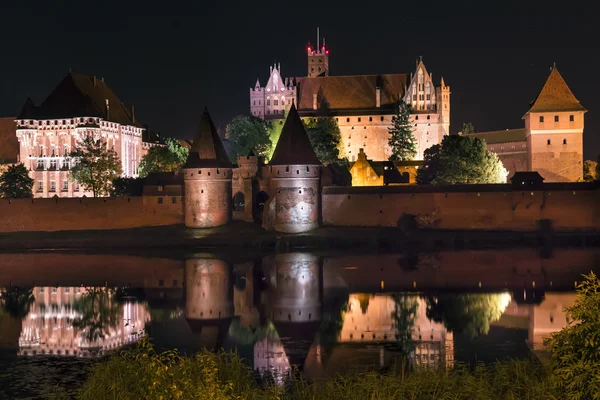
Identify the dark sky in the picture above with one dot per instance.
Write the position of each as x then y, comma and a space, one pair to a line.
170, 61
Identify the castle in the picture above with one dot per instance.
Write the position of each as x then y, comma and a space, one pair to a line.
551, 141
363, 105
79, 106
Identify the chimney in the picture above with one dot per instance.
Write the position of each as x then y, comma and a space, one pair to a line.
314, 101
378, 97
94, 80
133, 113
107, 110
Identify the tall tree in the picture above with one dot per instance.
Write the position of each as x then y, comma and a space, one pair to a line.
590, 170
467, 128
247, 133
401, 140
461, 159
167, 158
275, 127
15, 182
325, 137
96, 166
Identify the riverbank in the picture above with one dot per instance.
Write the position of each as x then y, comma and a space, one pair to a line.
239, 236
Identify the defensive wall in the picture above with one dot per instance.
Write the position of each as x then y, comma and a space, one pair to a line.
56, 214
554, 206
559, 206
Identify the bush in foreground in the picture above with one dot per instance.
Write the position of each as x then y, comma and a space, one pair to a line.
141, 373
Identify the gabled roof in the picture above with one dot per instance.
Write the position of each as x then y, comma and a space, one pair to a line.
294, 147
80, 96
9, 144
505, 136
207, 149
555, 96
356, 92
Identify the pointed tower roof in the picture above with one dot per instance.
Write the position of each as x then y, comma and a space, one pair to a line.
293, 147
555, 96
207, 149
29, 110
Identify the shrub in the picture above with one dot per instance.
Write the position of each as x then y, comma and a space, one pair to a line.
576, 348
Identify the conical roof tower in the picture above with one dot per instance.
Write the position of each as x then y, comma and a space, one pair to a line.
294, 147
207, 149
555, 96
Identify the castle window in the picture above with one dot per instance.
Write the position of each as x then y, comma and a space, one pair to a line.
370, 119
428, 116
174, 201
52, 186
159, 188
381, 118
254, 103
541, 118
160, 200
275, 102
40, 186
65, 185
571, 118
358, 119
548, 141
556, 118
428, 97
564, 141
268, 101
416, 117
347, 119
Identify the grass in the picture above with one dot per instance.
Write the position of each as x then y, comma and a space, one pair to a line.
142, 373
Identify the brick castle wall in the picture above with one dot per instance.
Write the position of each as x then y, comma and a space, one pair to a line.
495, 207
58, 214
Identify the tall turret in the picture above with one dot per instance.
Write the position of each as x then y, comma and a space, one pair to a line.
207, 179
318, 59
294, 179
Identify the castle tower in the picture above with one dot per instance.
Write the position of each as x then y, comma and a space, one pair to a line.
207, 179
444, 108
554, 129
294, 179
318, 59
208, 299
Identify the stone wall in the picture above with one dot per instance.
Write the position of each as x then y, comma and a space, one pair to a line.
58, 214
486, 207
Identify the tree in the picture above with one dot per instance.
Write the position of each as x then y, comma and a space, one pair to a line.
461, 159
168, 158
247, 133
590, 171
15, 182
96, 166
576, 348
325, 137
17, 301
97, 313
401, 140
127, 187
467, 128
275, 127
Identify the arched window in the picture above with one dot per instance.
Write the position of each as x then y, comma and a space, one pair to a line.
238, 201
268, 100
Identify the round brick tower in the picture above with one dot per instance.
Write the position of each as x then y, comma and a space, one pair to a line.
294, 180
208, 299
207, 179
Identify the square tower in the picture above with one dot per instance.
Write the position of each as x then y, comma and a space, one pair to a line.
318, 59
554, 130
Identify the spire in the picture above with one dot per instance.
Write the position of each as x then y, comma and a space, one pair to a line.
207, 150
294, 147
555, 96
257, 85
442, 83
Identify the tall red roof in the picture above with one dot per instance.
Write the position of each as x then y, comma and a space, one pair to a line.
207, 149
555, 96
294, 147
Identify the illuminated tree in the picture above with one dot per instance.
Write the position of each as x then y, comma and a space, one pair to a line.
467, 128
401, 140
590, 170
96, 166
325, 137
15, 182
97, 313
246, 134
167, 158
461, 159
275, 127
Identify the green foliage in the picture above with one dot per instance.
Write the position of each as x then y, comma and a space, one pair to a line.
325, 137
576, 348
274, 127
405, 313
168, 158
401, 140
467, 128
469, 313
98, 313
127, 187
15, 182
16, 301
248, 133
461, 159
96, 166
141, 373
590, 171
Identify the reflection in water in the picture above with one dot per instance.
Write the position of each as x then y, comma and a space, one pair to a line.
324, 315
76, 321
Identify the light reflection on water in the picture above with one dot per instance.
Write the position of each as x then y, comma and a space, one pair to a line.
323, 315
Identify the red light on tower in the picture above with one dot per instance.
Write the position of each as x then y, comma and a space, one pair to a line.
326, 51
308, 49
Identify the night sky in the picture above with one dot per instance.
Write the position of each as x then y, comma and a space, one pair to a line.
171, 61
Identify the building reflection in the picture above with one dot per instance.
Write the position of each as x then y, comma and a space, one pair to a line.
57, 324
